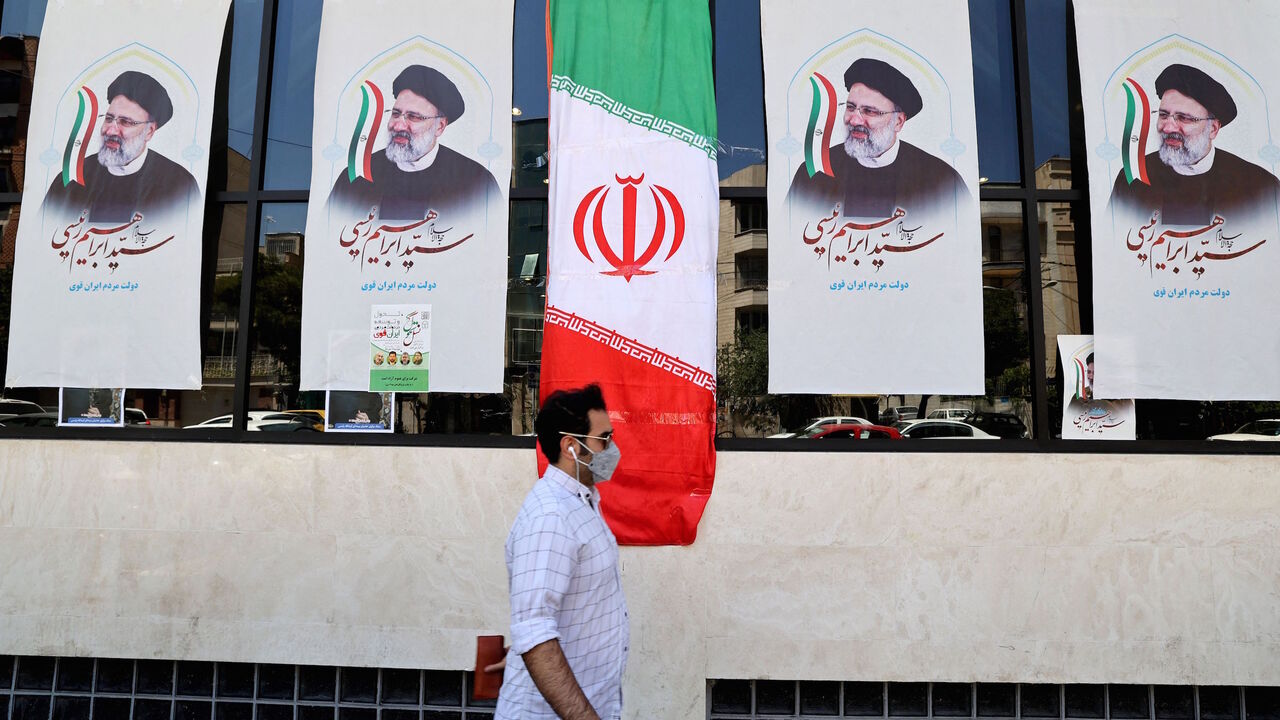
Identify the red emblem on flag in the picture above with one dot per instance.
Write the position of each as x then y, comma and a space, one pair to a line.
627, 265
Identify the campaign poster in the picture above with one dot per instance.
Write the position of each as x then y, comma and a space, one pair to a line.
875, 256
91, 407
1084, 415
106, 270
356, 411
1183, 193
400, 348
411, 166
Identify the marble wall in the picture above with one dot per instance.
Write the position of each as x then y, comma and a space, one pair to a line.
1037, 568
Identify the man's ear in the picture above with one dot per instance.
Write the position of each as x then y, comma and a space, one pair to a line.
444, 123
1214, 126
151, 131
899, 119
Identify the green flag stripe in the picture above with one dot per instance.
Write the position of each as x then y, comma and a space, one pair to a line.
69, 155
653, 56
1129, 116
352, 160
810, 162
633, 116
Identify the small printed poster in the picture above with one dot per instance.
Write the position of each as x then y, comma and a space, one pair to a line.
95, 407
1084, 416
400, 348
356, 411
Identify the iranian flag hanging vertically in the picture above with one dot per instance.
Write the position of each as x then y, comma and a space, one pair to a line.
631, 294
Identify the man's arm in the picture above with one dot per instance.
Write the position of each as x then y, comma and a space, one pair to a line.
553, 676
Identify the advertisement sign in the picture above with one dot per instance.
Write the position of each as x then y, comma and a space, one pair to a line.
400, 348
1183, 193
1084, 415
410, 168
92, 407
107, 262
875, 252
355, 411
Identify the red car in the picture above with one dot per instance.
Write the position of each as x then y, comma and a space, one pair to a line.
853, 432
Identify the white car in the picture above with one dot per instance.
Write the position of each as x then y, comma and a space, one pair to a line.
1258, 430
942, 429
949, 414
258, 420
822, 422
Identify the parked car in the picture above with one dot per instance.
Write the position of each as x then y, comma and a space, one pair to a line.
942, 429
134, 416
854, 432
1258, 430
1002, 425
949, 414
9, 406
40, 419
260, 420
819, 423
895, 415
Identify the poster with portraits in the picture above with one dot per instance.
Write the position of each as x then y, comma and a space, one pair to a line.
1180, 122
106, 273
411, 166
1085, 416
875, 254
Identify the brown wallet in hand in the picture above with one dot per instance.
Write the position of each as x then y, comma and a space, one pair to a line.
489, 650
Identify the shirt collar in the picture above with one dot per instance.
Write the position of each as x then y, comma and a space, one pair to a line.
885, 158
130, 167
421, 163
588, 495
1198, 168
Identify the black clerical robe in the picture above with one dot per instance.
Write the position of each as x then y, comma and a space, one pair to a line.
160, 187
915, 181
454, 186
1233, 188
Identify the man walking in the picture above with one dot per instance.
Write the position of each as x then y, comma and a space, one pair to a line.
569, 633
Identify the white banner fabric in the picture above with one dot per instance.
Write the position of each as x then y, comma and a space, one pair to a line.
1084, 416
1183, 194
107, 259
875, 252
410, 172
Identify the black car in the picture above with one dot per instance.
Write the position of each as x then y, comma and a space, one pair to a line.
1003, 425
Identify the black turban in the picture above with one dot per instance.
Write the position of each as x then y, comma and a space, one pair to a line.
886, 80
1198, 86
432, 85
144, 90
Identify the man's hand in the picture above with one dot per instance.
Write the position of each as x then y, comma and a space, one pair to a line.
553, 676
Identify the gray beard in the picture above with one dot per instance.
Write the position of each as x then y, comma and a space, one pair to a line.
411, 151
1192, 151
128, 151
877, 142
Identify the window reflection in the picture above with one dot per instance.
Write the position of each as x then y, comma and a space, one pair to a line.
1047, 51
23, 18
17, 67
991, 32
288, 159
739, 94
242, 89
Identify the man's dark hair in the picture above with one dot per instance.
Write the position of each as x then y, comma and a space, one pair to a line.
565, 411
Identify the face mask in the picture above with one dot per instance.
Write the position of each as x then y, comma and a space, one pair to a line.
603, 463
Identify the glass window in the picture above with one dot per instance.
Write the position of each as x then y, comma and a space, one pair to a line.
18, 60
1047, 51
293, 80
739, 93
991, 32
242, 90
23, 18
529, 90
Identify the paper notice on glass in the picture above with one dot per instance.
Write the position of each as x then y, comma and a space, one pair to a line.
1084, 416
400, 348
93, 407
356, 411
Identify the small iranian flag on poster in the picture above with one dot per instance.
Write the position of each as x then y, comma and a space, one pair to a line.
822, 120
1137, 125
78, 140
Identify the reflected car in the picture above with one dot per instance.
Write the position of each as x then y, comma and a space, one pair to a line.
949, 414
942, 429
259, 420
1002, 425
40, 419
1256, 431
895, 415
853, 432
134, 416
315, 417
819, 423
9, 406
